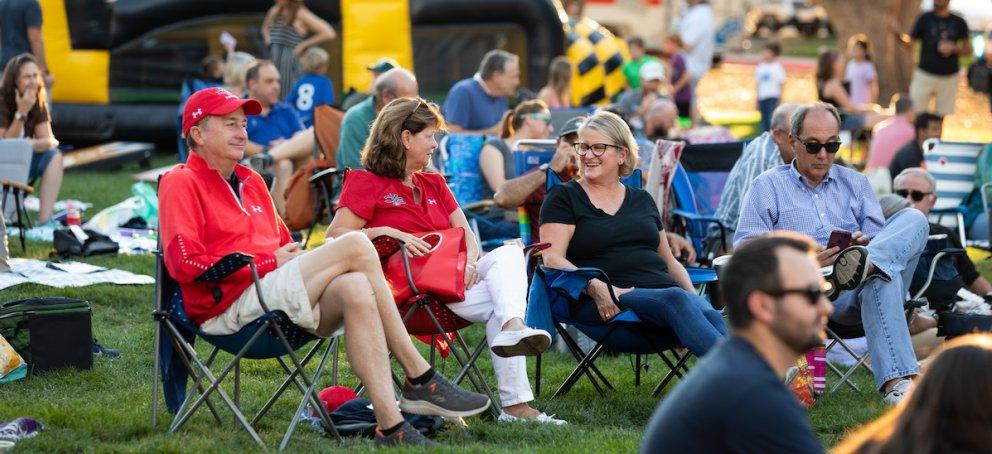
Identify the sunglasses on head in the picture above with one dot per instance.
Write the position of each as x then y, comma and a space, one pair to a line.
815, 147
915, 195
813, 293
545, 117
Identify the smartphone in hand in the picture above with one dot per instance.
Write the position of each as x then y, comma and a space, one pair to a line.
839, 238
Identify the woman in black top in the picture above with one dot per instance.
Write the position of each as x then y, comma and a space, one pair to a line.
598, 222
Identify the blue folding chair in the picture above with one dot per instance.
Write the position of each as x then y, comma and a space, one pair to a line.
271, 336
953, 165
459, 161
696, 190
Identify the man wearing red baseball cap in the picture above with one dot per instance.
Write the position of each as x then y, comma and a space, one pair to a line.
212, 206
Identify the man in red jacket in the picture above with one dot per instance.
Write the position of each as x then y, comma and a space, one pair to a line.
212, 206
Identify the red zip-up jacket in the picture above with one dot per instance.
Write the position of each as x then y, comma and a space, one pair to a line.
201, 221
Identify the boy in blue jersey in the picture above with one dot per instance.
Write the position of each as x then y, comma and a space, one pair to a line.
314, 88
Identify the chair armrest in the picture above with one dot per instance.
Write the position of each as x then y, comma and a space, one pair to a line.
696, 217
480, 206
951, 210
15, 185
226, 266
319, 174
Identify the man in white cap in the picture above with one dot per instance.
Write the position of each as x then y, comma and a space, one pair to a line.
635, 103
212, 206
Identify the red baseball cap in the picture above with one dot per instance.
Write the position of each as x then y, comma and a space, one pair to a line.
215, 101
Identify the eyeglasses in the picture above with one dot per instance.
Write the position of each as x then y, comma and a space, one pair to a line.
420, 102
813, 293
815, 147
597, 148
914, 194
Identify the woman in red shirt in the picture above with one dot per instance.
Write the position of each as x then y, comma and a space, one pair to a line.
395, 197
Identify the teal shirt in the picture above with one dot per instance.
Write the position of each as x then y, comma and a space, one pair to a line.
354, 132
632, 70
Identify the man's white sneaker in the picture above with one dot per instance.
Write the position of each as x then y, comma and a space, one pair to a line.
541, 418
898, 392
525, 342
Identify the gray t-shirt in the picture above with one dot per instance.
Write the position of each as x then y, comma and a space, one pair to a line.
16, 16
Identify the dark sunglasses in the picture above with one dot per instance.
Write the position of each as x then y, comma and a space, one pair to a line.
597, 148
914, 194
813, 293
815, 147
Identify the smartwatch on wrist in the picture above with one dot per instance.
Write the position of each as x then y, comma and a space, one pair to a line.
544, 167
20, 117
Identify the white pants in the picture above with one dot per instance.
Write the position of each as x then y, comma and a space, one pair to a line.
500, 295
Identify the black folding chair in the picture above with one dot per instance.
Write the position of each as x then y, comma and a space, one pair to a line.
271, 336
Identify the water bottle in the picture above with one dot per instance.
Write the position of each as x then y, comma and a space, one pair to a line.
524, 220
72, 215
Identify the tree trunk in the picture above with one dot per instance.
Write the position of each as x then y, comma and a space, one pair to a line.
893, 62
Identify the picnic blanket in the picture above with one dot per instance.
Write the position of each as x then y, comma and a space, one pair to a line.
66, 274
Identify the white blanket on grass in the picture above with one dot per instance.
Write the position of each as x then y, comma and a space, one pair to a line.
66, 274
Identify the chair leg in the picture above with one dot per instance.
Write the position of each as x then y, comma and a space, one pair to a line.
22, 219
537, 376
291, 378
325, 419
215, 386
573, 347
189, 352
471, 360
474, 374
336, 346
155, 372
579, 370
637, 370
673, 370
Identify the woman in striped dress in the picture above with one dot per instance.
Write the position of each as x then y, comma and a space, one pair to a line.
284, 28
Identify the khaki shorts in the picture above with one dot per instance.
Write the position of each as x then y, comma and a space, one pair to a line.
926, 85
283, 289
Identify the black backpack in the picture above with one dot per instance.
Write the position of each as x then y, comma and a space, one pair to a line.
49, 333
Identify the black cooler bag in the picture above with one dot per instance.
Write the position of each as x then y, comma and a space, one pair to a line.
49, 333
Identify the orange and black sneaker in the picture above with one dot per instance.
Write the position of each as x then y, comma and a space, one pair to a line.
440, 397
405, 435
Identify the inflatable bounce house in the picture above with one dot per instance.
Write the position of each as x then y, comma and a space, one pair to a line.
119, 66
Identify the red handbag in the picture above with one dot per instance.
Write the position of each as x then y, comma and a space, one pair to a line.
440, 272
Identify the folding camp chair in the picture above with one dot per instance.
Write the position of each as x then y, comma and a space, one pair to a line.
929, 269
15, 166
696, 190
271, 336
426, 317
953, 165
552, 291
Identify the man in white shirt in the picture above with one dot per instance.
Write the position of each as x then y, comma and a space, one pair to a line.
698, 33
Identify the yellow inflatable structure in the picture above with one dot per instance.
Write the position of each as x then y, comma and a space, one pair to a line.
373, 29
597, 62
81, 76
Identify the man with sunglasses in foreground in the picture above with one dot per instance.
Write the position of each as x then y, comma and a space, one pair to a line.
871, 277
775, 300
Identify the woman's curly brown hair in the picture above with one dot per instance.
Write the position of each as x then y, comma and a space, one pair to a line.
384, 153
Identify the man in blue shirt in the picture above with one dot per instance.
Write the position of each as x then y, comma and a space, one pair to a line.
735, 400
271, 132
815, 197
355, 127
477, 104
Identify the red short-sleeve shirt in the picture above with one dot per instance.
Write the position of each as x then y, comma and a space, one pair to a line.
387, 202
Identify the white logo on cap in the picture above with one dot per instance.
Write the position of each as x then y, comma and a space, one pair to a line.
226, 94
197, 112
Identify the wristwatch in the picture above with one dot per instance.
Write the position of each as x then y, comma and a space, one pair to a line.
20, 117
544, 167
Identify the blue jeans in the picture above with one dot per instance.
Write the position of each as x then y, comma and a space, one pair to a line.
767, 107
877, 303
697, 325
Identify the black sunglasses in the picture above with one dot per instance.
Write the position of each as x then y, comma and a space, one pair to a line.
813, 293
914, 194
815, 147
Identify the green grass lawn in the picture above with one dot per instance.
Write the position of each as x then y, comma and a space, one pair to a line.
108, 407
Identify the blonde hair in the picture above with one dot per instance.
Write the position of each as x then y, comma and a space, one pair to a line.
616, 131
384, 154
236, 69
313, 58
